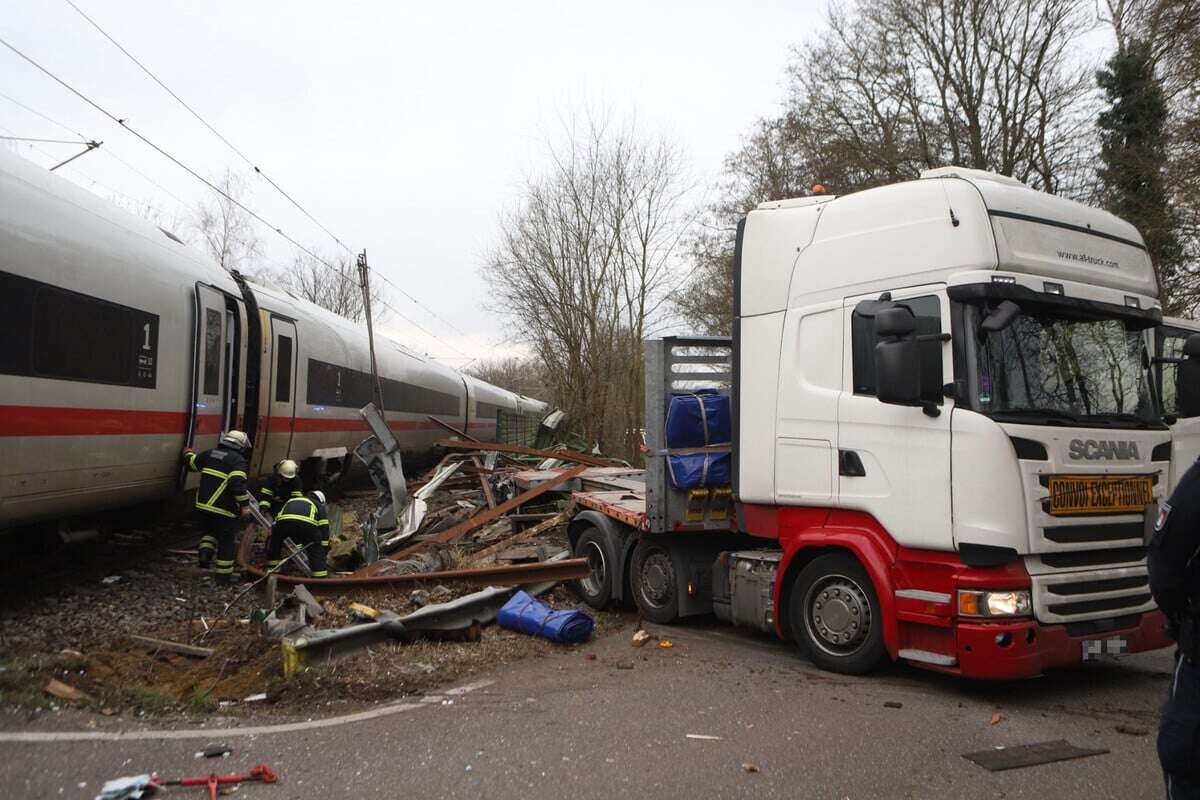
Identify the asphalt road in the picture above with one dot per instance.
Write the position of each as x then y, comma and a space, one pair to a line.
617, 725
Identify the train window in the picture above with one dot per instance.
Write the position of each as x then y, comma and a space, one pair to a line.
331, 385
212, 351
48, 332
283, 369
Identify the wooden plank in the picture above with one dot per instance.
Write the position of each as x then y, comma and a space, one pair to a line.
524, 535
495, 447
483, 481
174, 647
483, 518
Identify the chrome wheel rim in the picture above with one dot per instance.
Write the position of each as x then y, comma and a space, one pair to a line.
837, 615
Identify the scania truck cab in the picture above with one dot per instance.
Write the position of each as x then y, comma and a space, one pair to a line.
947, 445
1170, 338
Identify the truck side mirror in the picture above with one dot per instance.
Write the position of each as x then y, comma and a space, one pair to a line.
1187, 379
898, 357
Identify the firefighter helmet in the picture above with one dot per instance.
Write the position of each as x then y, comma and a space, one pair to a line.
287, 469
236, 439
319, 495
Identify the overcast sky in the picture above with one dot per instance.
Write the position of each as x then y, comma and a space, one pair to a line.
405, 128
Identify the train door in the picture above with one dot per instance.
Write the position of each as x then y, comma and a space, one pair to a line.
214, 334
281, 392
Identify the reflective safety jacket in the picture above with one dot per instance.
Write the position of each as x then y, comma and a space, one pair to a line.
277, 490
222, 481
307, 515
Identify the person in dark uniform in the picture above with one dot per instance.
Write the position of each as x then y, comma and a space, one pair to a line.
280, 486
1175, 582
222, 500
304, 520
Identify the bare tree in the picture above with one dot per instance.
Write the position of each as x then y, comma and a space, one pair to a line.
895, 87
583, 266
1169, 31
225, 231
332, 284
517, 374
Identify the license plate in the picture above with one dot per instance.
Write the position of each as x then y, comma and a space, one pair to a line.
1102, 494
1097, 649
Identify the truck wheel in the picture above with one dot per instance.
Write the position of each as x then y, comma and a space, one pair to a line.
835, 612
655, 587
596, 589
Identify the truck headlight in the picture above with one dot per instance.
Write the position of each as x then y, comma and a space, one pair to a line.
1011, 603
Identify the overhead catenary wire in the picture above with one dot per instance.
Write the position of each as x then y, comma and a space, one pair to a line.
255, 215
48, 141
106, 151
249, 162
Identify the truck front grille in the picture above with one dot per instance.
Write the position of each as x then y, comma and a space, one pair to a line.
1070, 597
1095, 558
1080, 534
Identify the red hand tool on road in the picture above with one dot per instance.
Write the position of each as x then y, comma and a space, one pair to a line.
261, 773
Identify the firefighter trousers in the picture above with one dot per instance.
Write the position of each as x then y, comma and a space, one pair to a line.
1179, 732
219, 540
316, 551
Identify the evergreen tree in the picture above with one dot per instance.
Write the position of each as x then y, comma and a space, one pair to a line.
1133, 137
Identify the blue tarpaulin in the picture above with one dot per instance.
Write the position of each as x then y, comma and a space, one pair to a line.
527, 615
698, 419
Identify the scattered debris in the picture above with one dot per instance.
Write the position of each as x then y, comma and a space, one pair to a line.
111, 579
705, 737
174, 647
893, 704
64, 692
666, 644
1132, 730
640, 637
128, 788
1028, 755
217, 751
255, 698
624, 665
748, 767
996, 718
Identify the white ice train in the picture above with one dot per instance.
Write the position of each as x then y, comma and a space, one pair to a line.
119, 344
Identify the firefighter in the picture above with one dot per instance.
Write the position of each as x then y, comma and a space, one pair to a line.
280, 486
304, 520
221, 501
1175, 582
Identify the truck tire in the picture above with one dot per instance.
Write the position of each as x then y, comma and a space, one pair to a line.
834, 612
597, 589
654, 583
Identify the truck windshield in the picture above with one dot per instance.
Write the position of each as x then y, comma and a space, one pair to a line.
1050, 369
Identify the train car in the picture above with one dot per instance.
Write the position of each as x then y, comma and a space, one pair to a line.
119, 344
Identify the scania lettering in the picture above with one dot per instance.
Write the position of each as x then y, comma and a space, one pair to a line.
946, 436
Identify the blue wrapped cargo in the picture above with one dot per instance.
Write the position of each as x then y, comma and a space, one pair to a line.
698, 419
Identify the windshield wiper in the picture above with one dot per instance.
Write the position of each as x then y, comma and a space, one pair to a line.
1042, 414
1119, 417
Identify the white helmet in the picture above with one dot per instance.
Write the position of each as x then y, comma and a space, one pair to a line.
319, 495
236, 439
287, 469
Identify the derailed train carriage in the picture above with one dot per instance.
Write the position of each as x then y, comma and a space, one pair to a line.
119, 345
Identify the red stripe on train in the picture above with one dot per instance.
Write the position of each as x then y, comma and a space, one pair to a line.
62, 421
56, 421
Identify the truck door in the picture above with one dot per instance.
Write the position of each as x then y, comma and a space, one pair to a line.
894, 461
1185, 433
281, 388
211, 349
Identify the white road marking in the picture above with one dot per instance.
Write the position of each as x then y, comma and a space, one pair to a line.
221, 733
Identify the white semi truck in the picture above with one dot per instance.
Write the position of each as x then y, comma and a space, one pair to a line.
948, 444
